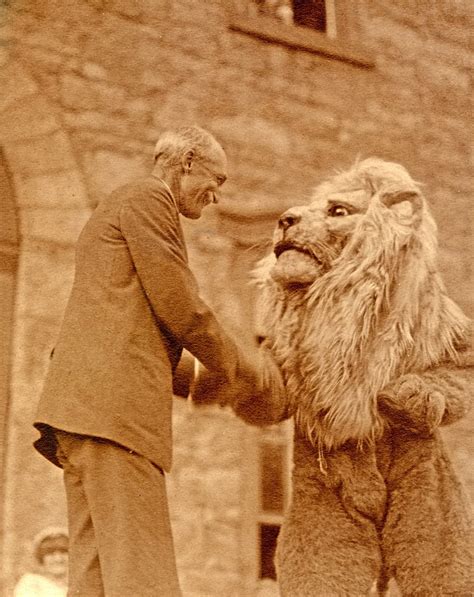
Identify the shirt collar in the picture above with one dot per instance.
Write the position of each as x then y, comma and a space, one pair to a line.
167, 187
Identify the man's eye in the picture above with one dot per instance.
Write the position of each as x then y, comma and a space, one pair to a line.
338, 211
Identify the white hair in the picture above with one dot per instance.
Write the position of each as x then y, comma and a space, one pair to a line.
173, 144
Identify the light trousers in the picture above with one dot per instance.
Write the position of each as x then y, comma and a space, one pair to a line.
120, 541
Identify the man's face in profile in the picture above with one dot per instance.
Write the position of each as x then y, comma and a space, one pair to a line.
202, 181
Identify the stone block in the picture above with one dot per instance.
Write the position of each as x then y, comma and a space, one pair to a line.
188, 537
121, 46
31, 117
33, 341
191, 483
92, 70
92, 141
264, 134
156, 12
108, 170
4, 54
132, 10
223, 489
57, 190
61, 226
15, 84
43, 38
78, 93
40, 155
111, 98
438, 75
151, 79
97, 121
44, 282
219, 543
204, 583
43, 59
397, 38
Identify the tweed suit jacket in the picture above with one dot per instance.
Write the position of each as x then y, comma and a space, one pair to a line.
134, 306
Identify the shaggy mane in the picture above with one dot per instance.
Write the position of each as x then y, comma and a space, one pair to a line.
381, 311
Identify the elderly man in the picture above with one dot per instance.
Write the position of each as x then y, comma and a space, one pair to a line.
105, 411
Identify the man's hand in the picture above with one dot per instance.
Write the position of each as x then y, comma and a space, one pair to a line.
210, 388
256, 393
214, 388
249, 379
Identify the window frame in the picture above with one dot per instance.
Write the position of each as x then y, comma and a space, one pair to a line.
341, 41
255, 516
280, 435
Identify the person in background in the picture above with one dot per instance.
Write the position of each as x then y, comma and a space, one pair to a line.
105, 410
50, 551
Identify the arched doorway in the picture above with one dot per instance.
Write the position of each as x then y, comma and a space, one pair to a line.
43, 206
9, 242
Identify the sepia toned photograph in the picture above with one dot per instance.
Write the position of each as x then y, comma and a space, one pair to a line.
236, 298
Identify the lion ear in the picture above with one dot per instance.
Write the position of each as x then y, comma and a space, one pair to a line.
405, 203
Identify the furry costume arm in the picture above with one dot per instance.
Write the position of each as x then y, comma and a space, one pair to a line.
422, 401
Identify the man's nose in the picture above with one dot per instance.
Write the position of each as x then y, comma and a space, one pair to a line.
288, 219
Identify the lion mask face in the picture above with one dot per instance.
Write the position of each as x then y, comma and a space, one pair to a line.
309, 239
350, 298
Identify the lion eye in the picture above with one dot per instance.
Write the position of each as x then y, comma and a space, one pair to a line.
338, 211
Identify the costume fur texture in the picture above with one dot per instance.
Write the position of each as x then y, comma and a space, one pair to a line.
374, 357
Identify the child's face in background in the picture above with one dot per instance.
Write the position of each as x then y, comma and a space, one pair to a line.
55, 563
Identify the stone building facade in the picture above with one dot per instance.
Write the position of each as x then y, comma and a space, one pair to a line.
86, 86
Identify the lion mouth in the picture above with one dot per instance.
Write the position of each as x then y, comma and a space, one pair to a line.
286, 245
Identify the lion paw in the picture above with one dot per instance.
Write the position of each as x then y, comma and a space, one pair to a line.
410, 403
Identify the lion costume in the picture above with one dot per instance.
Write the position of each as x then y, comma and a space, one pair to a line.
374, 358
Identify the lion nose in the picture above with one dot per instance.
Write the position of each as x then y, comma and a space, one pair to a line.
288, 219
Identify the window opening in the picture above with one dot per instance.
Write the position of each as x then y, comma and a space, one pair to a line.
314, 14
274, 454
268, 538
310, 13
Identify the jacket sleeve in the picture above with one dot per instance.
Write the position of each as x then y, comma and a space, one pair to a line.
150, 226
183, 375
424, 400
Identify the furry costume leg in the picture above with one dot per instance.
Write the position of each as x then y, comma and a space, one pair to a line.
427, 536
335, 555
329, 544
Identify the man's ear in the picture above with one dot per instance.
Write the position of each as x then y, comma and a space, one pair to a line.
187, 161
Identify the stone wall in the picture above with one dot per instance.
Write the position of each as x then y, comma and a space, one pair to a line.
88, 86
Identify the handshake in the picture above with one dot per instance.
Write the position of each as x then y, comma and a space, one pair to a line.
256, 373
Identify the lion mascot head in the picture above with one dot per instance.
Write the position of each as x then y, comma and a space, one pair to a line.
351, 298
